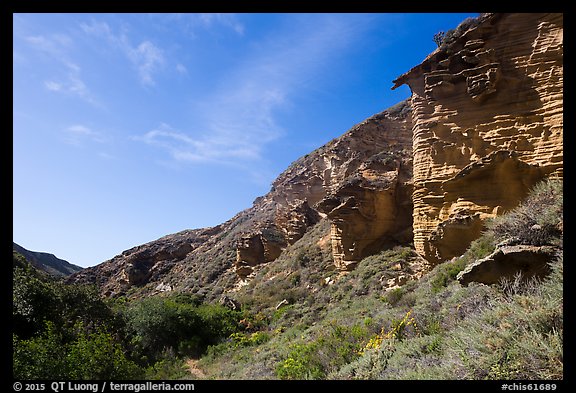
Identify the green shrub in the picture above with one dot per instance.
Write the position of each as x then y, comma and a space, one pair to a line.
368, 366
301, 363
91, 355
247, 340
217, 322
159, 323
97, 356
481, 247
438, 38
155, 324
37, 298
65, 330
169, 367
519, 337
445, 273
394, 295
538, 220
434, 345
432, 326
40, 357
336, 346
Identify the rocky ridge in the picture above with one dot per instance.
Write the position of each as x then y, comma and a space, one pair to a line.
483, 125
361, 180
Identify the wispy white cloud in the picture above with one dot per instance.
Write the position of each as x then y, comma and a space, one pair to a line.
58, 47
181, 69
234, 128
54, 45
228, 20
106, 156
53, 86
234, 124
79, 134
181, 146
146, 57
72, 84
194, 24
98, 29
149, 58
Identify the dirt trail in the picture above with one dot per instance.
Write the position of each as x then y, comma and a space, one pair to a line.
194, 369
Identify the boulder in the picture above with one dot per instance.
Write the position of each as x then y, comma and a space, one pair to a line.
508, 261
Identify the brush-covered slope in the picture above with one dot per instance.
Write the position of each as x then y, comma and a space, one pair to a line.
317, 323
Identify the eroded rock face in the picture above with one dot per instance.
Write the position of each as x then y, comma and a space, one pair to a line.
372, 210
487, 116
257, 248
295, 219
361, 180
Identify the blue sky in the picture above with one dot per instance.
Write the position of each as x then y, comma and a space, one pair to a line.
129, 127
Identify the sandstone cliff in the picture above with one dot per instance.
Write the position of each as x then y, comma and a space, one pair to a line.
487, 124
362, 181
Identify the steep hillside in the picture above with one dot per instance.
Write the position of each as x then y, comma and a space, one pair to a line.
361, 181
316, 323
301, 318
46, 262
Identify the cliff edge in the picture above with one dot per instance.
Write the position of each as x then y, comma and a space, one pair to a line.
487, 125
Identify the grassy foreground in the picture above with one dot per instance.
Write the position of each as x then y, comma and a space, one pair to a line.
302, 319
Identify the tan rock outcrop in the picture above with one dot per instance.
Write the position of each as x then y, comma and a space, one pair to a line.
257, 248
296, 219
372, 210
487, 125
361, 180
143, 264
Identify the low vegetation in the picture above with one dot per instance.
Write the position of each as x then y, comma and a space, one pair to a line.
301, 319
431, 328
446, 38
70, 332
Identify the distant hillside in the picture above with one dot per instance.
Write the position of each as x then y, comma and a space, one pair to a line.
47, 262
